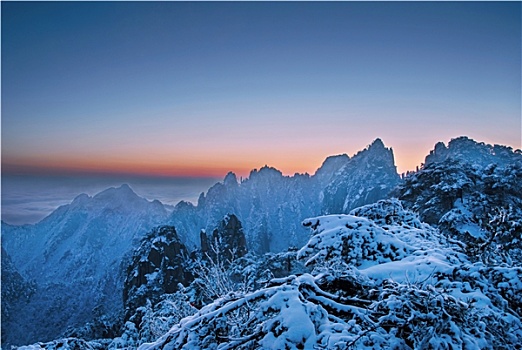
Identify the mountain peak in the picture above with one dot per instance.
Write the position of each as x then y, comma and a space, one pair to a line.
265, 172
365, 178
467, 150
125, 187
230, 179
81, 198
377, 144
376, 150
124, 191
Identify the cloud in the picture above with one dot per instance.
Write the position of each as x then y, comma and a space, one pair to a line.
29, 199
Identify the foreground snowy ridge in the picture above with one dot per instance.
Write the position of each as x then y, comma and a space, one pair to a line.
380, 283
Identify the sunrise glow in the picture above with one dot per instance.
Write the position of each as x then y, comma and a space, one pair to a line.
200, 89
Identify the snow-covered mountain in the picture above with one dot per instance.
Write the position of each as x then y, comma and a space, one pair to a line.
379, 278
382, 279
75, 257
478, 154
367, 177
271, 205
76, 254
437, 268
473, 192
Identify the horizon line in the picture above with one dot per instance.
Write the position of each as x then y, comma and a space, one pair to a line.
164, 171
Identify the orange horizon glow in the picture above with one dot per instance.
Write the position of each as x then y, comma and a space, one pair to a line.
408, 155
283, 85
113, 169
172, 168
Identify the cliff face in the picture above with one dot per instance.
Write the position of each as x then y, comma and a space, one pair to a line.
367, 177
158, 266
228, 239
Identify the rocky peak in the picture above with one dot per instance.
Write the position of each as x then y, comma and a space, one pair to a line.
123, 191
330, 167
377, 144
230, 179
201, 200
158, 266
475, 153
375, 153
229, 238
440, 149
265, 172
365, 178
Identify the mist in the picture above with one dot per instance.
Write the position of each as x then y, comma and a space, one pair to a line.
27, 199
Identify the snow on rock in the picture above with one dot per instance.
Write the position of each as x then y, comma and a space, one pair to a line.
355, 240
389, 212
66, 344
75, 257
277, 317
473, 193
292, 325
424, 294
431, 265
268, 203
383, 241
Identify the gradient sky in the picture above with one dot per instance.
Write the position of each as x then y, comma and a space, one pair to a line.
198, 89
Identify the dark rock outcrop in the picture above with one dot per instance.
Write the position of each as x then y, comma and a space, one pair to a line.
158, 266
228, 239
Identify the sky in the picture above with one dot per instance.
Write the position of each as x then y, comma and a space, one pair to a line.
197, 89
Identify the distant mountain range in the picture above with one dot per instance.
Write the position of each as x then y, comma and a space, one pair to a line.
271, 206
72, 264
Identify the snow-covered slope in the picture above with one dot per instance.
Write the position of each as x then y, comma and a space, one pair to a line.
472, 192
382, 280
75, 256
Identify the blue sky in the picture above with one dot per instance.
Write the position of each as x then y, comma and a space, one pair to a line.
197, 89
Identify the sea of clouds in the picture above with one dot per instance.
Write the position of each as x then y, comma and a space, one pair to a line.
28, 199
